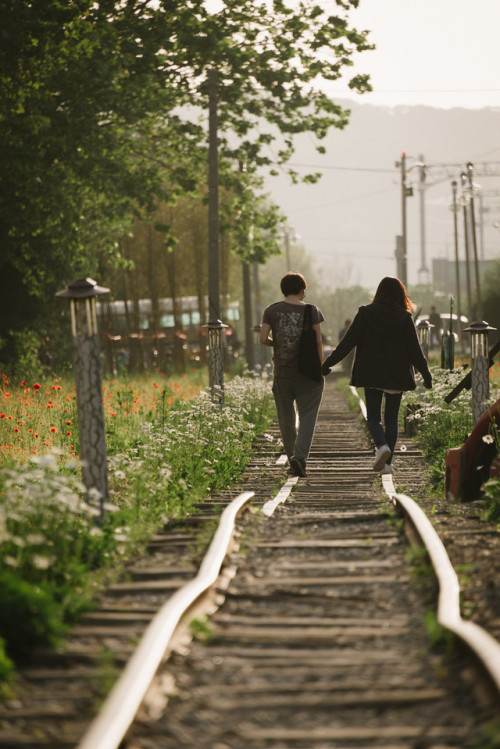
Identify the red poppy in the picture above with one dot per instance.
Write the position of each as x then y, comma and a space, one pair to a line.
36, 386
53, 430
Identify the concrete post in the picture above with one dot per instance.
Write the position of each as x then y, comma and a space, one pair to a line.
216, 360
257, 349
480, 372
82, 294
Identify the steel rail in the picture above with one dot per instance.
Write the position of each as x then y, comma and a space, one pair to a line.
120, 708
475, 637
269, 507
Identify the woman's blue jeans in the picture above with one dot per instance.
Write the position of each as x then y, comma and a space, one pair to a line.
388, 434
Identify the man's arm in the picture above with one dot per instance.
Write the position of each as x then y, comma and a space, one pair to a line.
317, 329
265, 329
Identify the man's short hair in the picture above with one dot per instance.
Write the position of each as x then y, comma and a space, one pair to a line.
292, 283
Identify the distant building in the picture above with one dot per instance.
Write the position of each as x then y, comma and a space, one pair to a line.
444, 274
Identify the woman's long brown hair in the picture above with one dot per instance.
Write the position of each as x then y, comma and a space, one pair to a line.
392, 291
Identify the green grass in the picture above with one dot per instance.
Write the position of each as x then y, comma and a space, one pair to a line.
165, 456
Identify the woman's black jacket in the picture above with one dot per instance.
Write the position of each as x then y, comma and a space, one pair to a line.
387, 349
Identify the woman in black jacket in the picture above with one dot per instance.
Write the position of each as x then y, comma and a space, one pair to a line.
387, 349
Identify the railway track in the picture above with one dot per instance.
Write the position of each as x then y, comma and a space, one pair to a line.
316, 637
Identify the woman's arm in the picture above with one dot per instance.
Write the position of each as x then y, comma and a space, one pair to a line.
345, 346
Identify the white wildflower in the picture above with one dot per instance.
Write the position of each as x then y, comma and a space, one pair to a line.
41, 563
48, 461
35, 539
488, 438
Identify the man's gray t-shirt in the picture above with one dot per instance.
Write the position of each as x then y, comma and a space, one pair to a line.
286, 321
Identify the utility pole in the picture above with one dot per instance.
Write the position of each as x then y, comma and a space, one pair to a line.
479, 304
247, 305
405, 193
463, 178
213, 201
215, 327
454, 208
424, 271
404, 243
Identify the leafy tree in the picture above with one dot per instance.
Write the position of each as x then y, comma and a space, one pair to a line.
100, 106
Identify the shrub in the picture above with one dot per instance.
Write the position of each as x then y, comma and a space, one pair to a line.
440, 425
6, 666
29, 617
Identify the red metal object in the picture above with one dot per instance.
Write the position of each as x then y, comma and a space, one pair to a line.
469, 466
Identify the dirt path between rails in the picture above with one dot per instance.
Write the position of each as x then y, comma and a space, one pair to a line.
320, 641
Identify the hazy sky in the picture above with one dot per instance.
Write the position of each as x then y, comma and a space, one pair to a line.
443, 53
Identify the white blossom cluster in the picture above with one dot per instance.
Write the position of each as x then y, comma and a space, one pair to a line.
197, 439
41, 510
43, 514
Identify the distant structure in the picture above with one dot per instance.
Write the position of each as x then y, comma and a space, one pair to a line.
444, 277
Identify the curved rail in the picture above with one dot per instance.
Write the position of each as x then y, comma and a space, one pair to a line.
476, 638
120, 708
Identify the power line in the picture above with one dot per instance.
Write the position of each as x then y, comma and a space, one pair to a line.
343, 168
422, 91
344, 200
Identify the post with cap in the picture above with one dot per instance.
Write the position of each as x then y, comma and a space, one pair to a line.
257, 349
480, 371
423, 332
82, 296
216, 359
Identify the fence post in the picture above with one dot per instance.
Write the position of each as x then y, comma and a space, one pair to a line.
216, 360
480, 371
257, 349
82, 296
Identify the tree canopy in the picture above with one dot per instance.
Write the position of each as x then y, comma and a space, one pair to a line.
103, 115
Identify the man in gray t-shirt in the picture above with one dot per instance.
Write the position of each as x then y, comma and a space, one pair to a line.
281, 328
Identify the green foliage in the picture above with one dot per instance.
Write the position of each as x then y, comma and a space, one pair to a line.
22, 348
491, 499
100, 121
439, 425
6, 667
439, 637
201, 630
54, 554
29, 616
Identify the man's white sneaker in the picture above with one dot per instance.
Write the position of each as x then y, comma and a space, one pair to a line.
383, 452
387, 469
